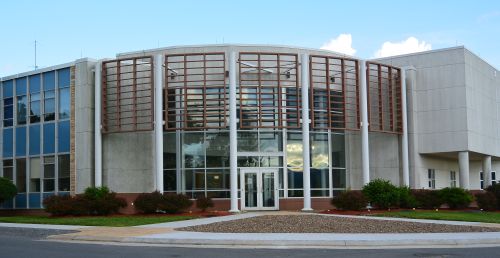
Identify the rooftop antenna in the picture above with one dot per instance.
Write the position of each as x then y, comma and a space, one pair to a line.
36, 67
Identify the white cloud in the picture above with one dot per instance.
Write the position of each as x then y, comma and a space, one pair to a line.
410, 45
341, 44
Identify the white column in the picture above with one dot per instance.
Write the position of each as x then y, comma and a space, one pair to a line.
486, 171
365, 151
233, 144
97, 127
305, 131
463, 163
158, 113
404, 140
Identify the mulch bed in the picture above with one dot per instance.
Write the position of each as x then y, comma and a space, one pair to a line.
328, 224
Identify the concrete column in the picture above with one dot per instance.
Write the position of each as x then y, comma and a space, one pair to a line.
233, 140
97, 127
365, 151
463, 163
404, 140
306, 173
158, 129
486, 171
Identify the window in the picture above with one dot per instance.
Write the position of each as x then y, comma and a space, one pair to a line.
431, 175
453, 179
49, 138
63, 80
493, 177
21, 175
49, 173
8, 142
34, 148
481, 178
63, 137
64, 175
49, 96
35, 101
35, 167
21, 141
22, 101
8, 103
8, 169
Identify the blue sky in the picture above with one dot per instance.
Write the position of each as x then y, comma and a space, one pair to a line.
67, 30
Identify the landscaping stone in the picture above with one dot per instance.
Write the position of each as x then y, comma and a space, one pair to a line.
326, 224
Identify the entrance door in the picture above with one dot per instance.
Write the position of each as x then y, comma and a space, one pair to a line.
259, 189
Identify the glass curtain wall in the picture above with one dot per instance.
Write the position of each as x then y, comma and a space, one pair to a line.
36, 136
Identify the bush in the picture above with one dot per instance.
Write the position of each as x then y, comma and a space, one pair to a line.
7, 189
175, 203
495, 189
427, 199
486, 201
95, 201
148, 202
406, 199
60, 205
455, 197
203, 203
381, 193
350, 200
102, 201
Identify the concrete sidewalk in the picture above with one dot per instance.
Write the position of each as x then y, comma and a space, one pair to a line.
165, 234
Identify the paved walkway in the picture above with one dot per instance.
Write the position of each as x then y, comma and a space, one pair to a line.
165, 234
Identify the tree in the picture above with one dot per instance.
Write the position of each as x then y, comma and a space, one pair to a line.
7, 189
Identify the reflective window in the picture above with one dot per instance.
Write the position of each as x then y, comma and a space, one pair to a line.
49, 105
49, 174
338, 151
338, 178
63, 77
217, 149
49, 82
35, 174
294, 156
169, 151
49, 138
21, 175
20, 141
34, 148
64, 103
22, 109
63, 136
270, 142
8, 89
21, 86
193, 149
217, 179
248, 141
319, 150
8, 142
34, 81
194, 179
8, 112
64, 172
8, 169
319, 178
35, 101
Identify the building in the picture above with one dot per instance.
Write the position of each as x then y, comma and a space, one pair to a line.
225, 121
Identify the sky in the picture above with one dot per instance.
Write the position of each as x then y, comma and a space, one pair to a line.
68, 30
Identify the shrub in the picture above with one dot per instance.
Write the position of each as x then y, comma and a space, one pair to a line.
455, 197
203, 203
7, 189
486, 201
175, 203
495, 189
381, 193
61, 205
102, 201
350, 200
148, 202
427, 199
406, 199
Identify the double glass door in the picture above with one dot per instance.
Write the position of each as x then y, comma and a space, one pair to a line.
259, 189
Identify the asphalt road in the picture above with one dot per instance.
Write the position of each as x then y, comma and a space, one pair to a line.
20, 243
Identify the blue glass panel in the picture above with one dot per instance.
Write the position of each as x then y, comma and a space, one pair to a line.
21, 86
8, 142
63, 137
49, 81
9, 204
34, 140
64, 103
49, 138
63, 78
8, 88
34, 83
20, 141
21, 201
34, 199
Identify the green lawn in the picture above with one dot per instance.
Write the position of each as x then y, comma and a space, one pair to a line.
489, 217
112, 221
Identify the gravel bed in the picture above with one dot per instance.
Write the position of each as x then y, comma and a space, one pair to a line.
32, 233
327, 224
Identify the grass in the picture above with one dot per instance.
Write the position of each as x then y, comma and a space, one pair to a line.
111, 221
472, 216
